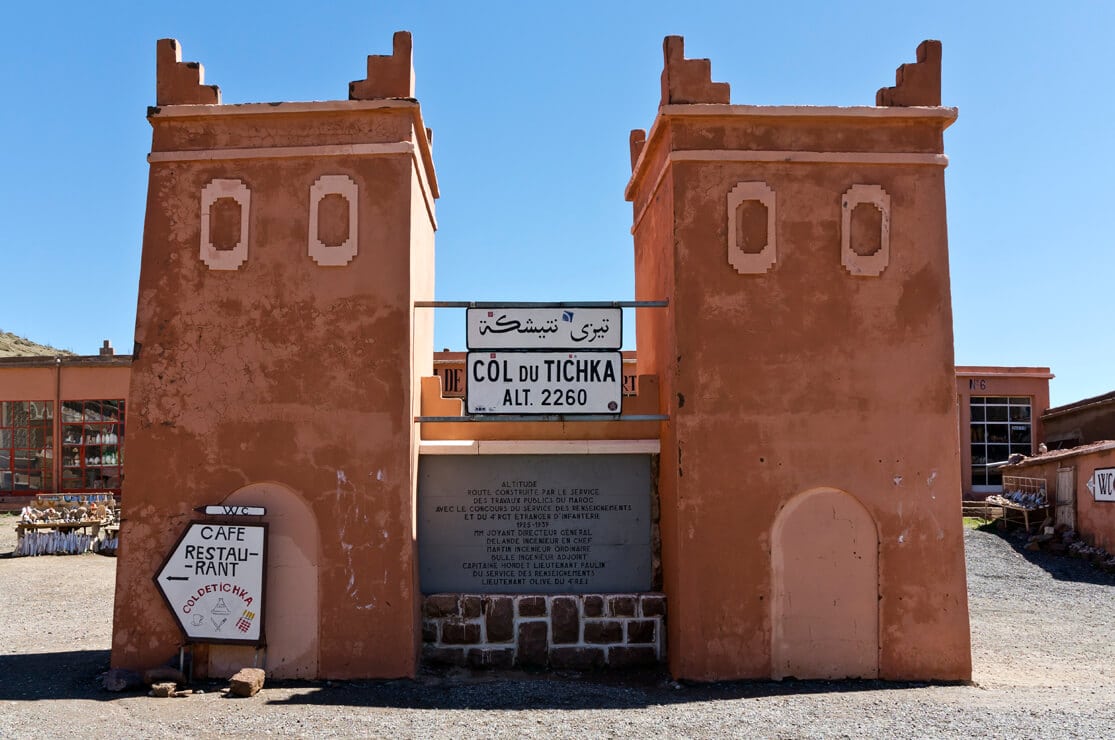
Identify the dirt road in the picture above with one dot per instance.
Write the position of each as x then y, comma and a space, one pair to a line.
1042, 649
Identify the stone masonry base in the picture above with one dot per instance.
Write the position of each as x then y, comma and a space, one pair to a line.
575, 631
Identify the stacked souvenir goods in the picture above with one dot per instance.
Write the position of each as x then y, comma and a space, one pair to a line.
1025, 499
66, 525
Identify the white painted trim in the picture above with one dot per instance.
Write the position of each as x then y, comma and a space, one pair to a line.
225, 259
161, 114
449, 447
540, 447
991, 374
394, 149
285, 152
250, 109
796, 157
752, 263
342, 254
941, 115
859, 265
782, 157
870, 112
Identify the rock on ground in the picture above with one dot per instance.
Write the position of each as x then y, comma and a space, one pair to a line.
247, 681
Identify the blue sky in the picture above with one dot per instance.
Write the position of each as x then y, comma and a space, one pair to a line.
531, 105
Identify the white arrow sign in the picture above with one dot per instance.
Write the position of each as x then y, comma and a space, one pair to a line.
213, 582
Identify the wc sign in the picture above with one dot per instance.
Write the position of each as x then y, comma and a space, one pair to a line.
213, 582
1102, 484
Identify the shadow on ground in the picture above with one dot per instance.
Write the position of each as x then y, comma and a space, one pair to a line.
581, 691
63, 675
1061, 567
75, 675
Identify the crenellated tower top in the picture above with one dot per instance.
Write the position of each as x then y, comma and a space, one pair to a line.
178, 82
688, 80
389, 75
918, 83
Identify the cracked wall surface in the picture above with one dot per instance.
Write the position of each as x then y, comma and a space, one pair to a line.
277, 363
807, 346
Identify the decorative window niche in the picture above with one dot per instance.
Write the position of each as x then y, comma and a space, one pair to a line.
224, 232
865, 233
333, 220
752, 246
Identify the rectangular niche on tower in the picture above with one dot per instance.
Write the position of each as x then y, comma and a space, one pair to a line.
751, 228
333, 220
225, 205
865, 230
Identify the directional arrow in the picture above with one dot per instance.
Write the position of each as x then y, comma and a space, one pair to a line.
215, 572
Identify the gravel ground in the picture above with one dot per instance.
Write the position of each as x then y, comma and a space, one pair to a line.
1044, 666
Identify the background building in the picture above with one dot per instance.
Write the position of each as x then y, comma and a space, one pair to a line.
1079, 423
1000, 415
62, 420
1003, 410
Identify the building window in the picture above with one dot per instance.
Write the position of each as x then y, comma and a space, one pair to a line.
1001, 426
26, 446
92, 445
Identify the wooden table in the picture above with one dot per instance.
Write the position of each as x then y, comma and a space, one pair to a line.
1009, 508
94, 524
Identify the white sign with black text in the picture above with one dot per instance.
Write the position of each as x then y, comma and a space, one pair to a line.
213, 582
1102, 484
576, 328
544, 382
222, 510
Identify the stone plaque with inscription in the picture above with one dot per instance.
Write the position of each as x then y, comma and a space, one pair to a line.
534, 523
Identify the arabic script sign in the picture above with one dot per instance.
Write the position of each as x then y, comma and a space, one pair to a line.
545, 328
1102, 484
213, 582
544, 382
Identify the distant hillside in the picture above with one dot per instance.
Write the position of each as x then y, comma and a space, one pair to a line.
13, 346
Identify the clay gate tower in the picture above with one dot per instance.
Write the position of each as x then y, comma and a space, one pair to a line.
808, 474
809, 470
276, 357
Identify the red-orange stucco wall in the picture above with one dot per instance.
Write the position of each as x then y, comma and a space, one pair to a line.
284, 371
64, 381
802, 378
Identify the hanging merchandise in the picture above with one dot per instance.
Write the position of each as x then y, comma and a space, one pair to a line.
68, 525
